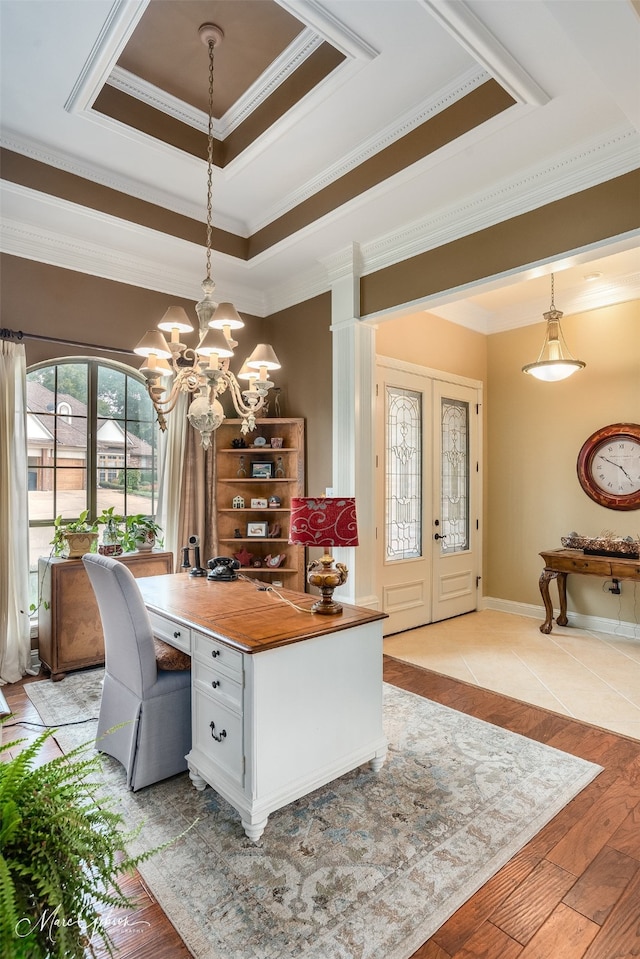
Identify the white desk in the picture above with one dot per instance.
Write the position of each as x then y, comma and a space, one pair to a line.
283, 701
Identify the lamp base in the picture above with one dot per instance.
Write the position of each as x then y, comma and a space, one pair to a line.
325, 576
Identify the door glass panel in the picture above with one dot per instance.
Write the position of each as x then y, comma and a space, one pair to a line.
455, 475
403, 466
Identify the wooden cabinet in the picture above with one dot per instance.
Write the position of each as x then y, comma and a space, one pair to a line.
69, 626
250, 503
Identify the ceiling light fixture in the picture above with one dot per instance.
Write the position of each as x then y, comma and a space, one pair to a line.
555, 362
204, 372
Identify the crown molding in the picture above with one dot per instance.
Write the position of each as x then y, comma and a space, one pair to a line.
122, 20
302, 47
593, 162
464, 26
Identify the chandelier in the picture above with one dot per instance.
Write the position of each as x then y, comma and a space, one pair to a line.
204, 371
554, 362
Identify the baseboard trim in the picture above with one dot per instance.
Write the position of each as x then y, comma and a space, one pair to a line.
597, 624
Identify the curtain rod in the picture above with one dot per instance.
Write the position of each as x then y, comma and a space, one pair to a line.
6, 334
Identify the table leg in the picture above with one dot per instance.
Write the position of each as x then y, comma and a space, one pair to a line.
562, 620
545, 578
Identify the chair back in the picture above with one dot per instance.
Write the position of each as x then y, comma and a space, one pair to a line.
128, 635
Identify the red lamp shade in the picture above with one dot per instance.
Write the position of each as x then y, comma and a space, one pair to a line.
330, 521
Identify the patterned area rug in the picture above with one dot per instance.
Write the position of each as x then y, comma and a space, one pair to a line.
368, 866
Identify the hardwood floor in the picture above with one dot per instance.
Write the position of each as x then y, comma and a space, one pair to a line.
573, 892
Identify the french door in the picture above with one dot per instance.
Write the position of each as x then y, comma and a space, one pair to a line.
427, 495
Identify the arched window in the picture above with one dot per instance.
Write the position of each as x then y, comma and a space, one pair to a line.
92, 441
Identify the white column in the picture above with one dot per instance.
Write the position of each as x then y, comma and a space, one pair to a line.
354, 422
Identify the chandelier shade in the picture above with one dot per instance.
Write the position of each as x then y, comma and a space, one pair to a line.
175, 321
204, 372
554, 362
153, 344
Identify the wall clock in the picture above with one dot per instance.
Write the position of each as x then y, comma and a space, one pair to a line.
609, 466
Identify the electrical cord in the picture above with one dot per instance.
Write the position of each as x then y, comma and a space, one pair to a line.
29, 722
264, 588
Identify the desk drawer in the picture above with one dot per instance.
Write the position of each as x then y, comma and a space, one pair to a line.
176, 634
594, 565
211, 652
626, 570
218, 685
217, 732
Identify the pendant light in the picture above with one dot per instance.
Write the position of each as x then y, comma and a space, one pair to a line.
555, 362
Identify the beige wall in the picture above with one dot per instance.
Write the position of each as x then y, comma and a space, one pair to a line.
535, 432
431, 341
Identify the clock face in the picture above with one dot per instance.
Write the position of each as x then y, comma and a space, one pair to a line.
609, 466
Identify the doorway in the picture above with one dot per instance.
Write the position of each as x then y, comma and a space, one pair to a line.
428, 494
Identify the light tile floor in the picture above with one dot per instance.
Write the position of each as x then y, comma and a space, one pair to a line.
591, 676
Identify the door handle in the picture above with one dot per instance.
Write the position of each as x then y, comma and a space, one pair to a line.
438, 536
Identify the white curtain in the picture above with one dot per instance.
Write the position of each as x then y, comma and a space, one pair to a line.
15, 630
172, 446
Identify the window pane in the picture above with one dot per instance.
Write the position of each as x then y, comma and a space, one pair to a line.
139, 406
76, 464
455, 475
403, 527
111, 392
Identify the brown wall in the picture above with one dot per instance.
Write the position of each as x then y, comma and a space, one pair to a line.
302, 339
49, 301
607, 210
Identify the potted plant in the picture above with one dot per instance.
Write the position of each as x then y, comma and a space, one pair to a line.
141, 532
112, 533
62, 852
75, 537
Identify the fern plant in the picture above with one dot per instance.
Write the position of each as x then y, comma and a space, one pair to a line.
62, 853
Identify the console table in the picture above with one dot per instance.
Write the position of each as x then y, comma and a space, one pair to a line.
558, 563
283, 700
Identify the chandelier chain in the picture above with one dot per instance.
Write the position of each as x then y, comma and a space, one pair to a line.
203, 372
553, 305
211, 46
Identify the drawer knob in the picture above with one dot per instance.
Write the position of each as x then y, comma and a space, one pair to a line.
215, 652
222, 735
215, 683
176, 634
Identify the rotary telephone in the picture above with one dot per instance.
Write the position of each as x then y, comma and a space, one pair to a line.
223, 569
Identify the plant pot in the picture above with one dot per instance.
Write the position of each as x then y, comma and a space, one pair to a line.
79, 543
145, 541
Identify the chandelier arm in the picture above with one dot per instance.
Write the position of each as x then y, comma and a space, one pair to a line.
242, 408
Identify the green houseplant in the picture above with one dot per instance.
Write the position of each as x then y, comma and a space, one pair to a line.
74, 537
113, 533
141, 532
62, 853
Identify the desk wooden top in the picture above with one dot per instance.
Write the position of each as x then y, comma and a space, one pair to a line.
240, 614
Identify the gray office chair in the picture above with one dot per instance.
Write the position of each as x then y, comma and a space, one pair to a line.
155, 704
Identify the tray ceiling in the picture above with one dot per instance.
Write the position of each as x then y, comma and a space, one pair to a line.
374, 128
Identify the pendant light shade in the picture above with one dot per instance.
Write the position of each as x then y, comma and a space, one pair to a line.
554, 362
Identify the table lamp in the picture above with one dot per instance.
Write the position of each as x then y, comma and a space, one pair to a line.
326, 522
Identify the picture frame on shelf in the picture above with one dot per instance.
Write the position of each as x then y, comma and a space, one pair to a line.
257, 529
259, 503
261, 470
